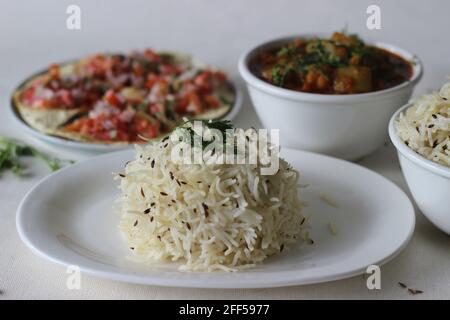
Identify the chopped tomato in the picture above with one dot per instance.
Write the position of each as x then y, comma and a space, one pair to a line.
98, 65
212, 101
151, 80
195, 103
42, 103
53, 71
151, 55
168, 69
203, 81
155, 108
28, 95
181, 105
66, 98
220, 76
146, 128
112, 99
138, 71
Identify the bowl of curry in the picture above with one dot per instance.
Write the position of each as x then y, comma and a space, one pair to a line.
329, 94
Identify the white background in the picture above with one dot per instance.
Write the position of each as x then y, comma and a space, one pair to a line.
33, 34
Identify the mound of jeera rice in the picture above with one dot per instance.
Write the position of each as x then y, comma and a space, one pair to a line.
208, 216
425, 126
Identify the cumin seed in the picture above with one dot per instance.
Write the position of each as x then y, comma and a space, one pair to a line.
147, 211
135, 223
401, 284
121, 175
415, 291
142, 193
163, 193
205, 207
153, 163
188, 225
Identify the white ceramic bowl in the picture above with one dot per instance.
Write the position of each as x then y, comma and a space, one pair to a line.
344, 126
429, 182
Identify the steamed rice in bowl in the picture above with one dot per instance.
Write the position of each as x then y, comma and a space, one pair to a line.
425, 126
420, 131
207, 216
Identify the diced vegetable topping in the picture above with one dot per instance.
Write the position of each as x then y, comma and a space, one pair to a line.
127, 97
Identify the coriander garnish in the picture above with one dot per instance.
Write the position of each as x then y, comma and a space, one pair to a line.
11, 151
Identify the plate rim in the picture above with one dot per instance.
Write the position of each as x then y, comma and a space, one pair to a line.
211, 283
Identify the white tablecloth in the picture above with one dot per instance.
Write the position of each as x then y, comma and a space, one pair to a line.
33, 36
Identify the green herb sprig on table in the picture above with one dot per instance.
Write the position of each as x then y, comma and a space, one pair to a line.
11, 151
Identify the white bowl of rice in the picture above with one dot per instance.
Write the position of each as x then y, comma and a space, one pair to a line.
420, 131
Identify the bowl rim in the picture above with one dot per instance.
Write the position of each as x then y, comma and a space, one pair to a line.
410, 154
254, 81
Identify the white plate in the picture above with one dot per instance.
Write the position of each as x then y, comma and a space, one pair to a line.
68, 219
